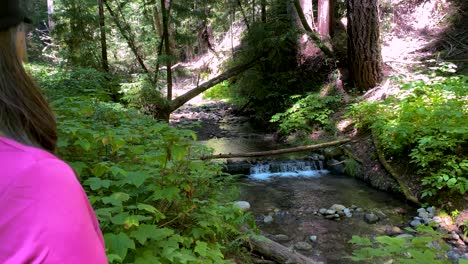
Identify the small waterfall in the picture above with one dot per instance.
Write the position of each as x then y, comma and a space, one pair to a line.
287, 169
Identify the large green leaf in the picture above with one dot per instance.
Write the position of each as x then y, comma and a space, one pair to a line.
119, 244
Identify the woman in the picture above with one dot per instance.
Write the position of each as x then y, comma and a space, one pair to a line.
45, 215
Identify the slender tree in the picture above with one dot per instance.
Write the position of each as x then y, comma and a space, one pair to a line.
50, 13
165, 9
263, 10
102, 28
364, 50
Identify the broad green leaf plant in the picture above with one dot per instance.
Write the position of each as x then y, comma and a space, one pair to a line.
155, 202
427, 122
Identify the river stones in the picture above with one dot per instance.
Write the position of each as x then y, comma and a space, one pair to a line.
268, 219
371, 218
393, 230
243, 205
281, 238
330, 212
338, 207
303, 246
322, 211
313, 238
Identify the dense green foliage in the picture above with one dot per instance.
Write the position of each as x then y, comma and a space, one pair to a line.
266, 87
427, 247
308, 112
427, 123
154, 201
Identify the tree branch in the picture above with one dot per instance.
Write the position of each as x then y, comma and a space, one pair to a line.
179, 101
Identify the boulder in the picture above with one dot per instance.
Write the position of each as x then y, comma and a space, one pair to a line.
415, 223
330, 212
322, 210
303, 246
243, 205
338, 207
371, 218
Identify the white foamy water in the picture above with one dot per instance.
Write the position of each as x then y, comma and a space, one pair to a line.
287, 169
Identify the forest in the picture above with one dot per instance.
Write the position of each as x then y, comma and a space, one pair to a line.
383, 83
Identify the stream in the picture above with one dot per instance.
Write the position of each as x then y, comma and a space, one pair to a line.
285, 197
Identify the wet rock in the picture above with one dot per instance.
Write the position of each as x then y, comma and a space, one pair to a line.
338, 207
358, 210
393, 230
424, 215
303, 246
421, 210
322, 210
415, 223
431, 211
313, 238
371, 218
354, 207
243, 205
330, 212
268, 219
347, 212
281, 238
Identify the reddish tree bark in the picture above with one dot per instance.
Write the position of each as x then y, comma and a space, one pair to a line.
323, 17
364, 50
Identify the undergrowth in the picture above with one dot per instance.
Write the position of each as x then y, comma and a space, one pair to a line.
427, 122
156, 203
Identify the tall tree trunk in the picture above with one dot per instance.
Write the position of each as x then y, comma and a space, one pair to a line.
165, 9
332, 17
102, 27
323, 17
50, 13
157, 21
314, 36
263, 10
364, 50
308, 10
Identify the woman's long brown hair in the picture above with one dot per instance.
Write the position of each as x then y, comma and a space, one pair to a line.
25, 115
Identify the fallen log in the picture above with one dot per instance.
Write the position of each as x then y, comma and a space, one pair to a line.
277, 252
275, 152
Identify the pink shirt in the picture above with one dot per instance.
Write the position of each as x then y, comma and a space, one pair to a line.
45, 216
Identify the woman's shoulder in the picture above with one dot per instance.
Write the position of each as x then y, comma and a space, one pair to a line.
16, 158
17, 151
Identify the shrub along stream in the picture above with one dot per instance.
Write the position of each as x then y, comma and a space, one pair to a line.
154, 203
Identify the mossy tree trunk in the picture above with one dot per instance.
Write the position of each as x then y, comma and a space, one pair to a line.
364, 50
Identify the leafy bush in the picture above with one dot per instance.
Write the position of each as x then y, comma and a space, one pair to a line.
427, 122
156, 203
76, 81
306, 112
428, 247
